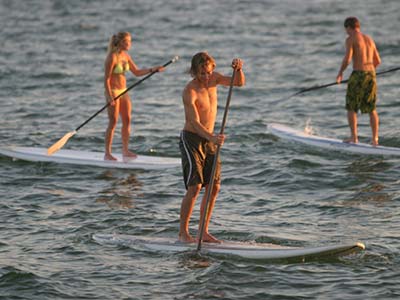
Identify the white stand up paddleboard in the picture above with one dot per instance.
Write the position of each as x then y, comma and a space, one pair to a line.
244, 250
292, 134
87, 158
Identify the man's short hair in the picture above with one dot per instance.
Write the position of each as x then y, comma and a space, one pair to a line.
352, 22
199, 61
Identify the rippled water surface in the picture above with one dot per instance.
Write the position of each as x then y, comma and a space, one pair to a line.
51, 76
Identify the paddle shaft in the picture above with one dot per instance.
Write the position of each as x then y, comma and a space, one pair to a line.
324, 86
124, 92
214, 166
335, 83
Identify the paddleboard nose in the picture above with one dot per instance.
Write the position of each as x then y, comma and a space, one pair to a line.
361, 246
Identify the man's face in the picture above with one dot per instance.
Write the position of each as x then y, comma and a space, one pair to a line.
348, 30
205, 73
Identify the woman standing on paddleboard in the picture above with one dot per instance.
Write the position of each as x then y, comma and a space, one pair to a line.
117, 62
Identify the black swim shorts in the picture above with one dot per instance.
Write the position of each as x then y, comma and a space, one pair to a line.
197, 159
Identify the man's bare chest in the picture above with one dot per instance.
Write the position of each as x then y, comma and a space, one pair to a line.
206, 101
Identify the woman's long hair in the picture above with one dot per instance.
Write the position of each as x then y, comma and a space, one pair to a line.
115, 40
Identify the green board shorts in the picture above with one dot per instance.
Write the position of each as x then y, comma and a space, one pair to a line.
361, 92
197, 159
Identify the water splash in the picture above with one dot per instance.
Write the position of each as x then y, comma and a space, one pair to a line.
308, 128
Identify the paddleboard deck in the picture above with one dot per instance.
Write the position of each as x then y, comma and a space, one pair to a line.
288, 133
241, 249
87, 158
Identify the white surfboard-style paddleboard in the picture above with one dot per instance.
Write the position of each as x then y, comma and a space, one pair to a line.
87, 158
292, 134
242, 249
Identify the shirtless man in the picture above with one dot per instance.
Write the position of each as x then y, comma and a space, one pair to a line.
361, 88
198, 141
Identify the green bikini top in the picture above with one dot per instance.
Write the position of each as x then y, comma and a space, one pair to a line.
121, 68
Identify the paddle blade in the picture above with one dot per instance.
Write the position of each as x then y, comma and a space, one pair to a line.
60, 143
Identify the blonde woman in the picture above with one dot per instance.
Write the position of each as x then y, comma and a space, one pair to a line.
117, 62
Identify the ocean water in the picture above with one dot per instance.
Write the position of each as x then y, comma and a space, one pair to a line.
51, 72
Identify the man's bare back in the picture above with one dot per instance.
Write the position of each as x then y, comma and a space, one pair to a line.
363, 52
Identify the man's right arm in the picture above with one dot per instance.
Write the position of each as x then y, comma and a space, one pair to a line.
346, 60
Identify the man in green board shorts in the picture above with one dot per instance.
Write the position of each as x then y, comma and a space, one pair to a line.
361, 88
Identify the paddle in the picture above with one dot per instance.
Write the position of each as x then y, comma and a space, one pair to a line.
214, 166
317, 87
61, 142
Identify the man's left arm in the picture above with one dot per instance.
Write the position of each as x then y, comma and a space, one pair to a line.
376, 58
240, 78
237, 65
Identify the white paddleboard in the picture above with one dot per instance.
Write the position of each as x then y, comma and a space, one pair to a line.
245, 250
292, 134
87, 158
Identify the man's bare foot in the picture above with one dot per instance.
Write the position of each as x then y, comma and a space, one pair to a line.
375, 142
208, 238
109, 157
186, 238
350, 140
127, 156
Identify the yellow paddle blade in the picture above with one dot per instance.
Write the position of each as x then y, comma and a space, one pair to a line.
60, 143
